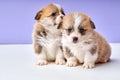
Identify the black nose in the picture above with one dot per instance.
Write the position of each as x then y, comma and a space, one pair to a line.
61, 17
75, 39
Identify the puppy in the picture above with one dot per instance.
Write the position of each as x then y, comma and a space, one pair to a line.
81, 43
46, 36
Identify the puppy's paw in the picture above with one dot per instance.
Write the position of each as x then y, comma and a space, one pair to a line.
88, 65
71, 62
60, 61
41, 62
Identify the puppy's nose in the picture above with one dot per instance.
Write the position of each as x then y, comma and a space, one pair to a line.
75, 39
61, 17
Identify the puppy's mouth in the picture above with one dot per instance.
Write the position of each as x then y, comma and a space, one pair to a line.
58, 20
57, 26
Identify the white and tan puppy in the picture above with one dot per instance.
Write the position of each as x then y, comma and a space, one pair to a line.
46, 36
81, 43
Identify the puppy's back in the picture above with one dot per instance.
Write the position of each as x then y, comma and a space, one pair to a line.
104, 49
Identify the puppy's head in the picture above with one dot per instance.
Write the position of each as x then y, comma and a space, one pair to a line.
77, 27
50, 15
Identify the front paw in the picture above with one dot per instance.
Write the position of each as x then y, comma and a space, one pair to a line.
71, 63
60, 61
41, 62
88, 65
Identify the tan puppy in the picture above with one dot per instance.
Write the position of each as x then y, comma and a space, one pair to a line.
81, 43
46, 36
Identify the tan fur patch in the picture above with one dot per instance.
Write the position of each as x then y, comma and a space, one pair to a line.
47, 11
93, 50
67, 52
36, 32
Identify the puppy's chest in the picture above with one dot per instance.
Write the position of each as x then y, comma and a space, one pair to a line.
79, 51
75, 49
51, 43
54, 35
80, 48
50, 39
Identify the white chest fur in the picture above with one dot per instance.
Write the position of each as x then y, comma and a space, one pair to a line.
51, 43
78, 50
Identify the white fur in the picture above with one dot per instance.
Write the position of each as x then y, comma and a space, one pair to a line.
51, 43
89, 60
47, 22
58, 19
77, 20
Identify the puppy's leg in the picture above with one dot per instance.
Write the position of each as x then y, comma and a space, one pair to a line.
40, 53
89, 60
42, 58
37, 47
71, 59
60, 57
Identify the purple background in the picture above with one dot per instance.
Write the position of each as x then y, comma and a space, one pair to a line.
17, 17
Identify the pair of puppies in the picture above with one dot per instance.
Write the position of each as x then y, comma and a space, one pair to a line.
72, 38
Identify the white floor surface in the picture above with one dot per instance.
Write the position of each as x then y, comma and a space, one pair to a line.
17, 62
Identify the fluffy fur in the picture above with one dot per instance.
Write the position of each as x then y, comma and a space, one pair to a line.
46, 36
81, 43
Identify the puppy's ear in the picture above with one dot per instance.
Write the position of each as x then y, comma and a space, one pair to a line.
38, 15
92, 24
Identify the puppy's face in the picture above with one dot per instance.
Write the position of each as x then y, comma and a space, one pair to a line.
50, 15
77, 27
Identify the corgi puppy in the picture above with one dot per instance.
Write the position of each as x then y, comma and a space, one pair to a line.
46, 37
81, 43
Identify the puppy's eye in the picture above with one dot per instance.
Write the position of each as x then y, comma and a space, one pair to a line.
53, 14
82, 30
69, 30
